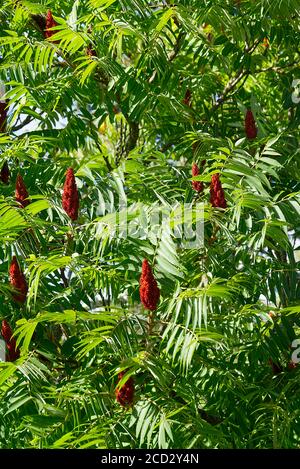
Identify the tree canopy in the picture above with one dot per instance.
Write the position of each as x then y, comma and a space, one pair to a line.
122, 123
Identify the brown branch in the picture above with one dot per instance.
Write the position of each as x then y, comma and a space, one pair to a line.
237, 78
63, 277
244, 73
251, 49
26, 121
229, 87
211, 419
278, 69
108, 165
172, 54
133, 136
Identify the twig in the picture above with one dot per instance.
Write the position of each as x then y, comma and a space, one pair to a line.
278, 69
108, 165
63, 277
229, 87
26, 121
102, 298
172, 54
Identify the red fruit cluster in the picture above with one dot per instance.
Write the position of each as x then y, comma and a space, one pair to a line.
292, 365
197, 185
3, 115
91, 52
4, 173
217, 197
17, 281
125, 394
266, 43
187, 98
13, 352
50, 23
149, 291
250, 127
21, 192
70, 197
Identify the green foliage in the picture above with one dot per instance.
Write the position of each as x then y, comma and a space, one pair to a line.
105, 95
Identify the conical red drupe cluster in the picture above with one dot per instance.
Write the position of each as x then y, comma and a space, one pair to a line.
50, 23
3, 115
149, 291
21, 192
217, 197
18, 281
6, 331
4, 173
13, 352
125, 394
70, 197
197, 185
250, 126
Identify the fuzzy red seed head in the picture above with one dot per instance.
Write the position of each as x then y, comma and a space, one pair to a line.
217, 196
21, 192
292, 365
197, 185
250, 126
6, 331
70, 197
125, 394
17, 281
50, 23
5, 174
13, 353
149, 291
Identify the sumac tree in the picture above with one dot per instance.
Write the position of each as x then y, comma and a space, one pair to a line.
112, 112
